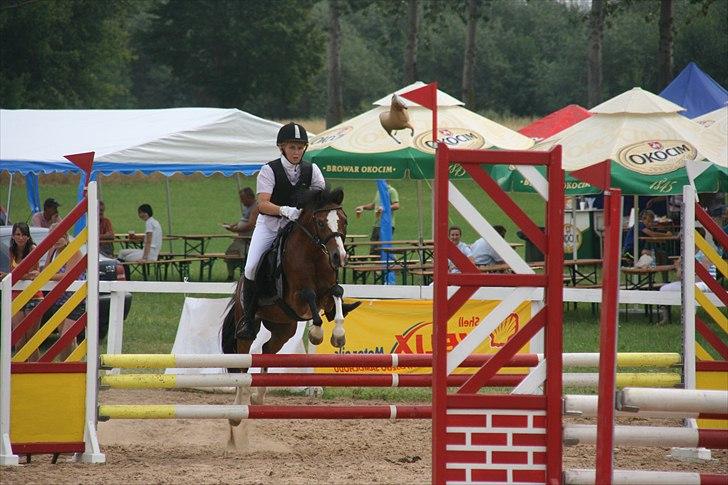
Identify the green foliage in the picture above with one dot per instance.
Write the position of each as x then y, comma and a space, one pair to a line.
231, 53
65, 54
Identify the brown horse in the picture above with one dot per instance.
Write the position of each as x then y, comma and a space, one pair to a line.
396, 118
312, 254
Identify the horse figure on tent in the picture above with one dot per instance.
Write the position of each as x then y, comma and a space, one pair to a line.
396, 118
296, 279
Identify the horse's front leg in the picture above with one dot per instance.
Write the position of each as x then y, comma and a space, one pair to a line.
338, 336
315, 333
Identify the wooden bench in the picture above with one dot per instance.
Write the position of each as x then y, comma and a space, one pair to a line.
239, 262
160, 267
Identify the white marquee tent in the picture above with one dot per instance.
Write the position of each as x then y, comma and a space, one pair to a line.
178, 140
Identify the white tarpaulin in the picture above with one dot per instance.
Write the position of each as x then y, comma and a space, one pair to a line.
178, 140
199, 333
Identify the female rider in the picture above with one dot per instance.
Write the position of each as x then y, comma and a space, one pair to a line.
279, 184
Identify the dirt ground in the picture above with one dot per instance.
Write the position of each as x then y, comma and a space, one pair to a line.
280, 451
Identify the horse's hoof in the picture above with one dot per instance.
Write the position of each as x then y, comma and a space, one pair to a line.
316, 335
339, 341
235, 422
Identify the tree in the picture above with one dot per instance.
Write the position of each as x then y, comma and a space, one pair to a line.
335, 106
664, 52
260, 56
410, 53
596, 38
468, 89
65, 54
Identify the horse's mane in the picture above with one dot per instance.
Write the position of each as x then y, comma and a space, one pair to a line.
316, 199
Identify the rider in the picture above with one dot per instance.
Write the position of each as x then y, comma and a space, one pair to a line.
279, 183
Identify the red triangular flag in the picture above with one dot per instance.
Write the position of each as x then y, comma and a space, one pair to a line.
599, 175
84, 161
425, 96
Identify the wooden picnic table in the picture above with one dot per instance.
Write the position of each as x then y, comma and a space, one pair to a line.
644, 279
196, 244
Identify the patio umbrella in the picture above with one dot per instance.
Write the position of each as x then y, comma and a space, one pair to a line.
652, 149
360, 148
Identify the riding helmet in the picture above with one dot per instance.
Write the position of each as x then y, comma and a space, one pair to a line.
292, 132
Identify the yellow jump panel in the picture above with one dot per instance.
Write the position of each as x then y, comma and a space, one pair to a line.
47, 407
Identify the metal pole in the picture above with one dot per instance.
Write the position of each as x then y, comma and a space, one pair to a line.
240, 187
420, 222
10, 191
636, 230
169, 212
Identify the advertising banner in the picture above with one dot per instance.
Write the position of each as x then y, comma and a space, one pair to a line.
405, 327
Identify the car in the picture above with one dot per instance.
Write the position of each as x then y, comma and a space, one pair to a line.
109, 270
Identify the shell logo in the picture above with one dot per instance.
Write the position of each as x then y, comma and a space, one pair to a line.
505, 331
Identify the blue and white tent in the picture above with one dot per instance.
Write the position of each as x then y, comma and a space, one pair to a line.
695, 91
168, 141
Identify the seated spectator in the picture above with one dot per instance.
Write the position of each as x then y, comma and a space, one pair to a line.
454, 234
244, 227
77, 312
48, 216
106, 232
3, 216
21, 245
482, 253
645, 228
152, 239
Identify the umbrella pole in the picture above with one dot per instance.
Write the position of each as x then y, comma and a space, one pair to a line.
10, 191
169, 212
635, 230
574, 249
237, 181
420, 222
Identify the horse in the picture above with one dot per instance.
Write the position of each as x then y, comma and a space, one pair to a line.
311, 256
396, 118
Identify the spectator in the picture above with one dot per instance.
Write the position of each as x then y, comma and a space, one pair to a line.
244, 227
454, 234
21, 245
376, 206
482, 253
106, 232
647, 220
79, 310
48, 216
152, 239
3, 216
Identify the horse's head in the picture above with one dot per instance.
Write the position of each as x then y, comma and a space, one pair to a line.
325, 222
397, 104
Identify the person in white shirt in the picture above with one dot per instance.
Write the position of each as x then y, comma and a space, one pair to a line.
280, 184
152, 238
455, 234
482, 253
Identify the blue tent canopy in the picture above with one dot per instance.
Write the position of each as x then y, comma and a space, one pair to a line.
695, 91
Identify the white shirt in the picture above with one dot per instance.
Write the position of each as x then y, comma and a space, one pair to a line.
152, 225
267, 180
483, 253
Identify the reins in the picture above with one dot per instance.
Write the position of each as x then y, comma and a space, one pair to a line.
316, 239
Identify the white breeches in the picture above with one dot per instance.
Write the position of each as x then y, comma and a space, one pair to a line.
131, 254
260, 242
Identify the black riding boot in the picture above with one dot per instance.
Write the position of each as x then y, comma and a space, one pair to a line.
249, 328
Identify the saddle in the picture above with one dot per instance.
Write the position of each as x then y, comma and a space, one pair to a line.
269, 278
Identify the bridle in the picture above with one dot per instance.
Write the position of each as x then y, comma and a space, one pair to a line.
316, 238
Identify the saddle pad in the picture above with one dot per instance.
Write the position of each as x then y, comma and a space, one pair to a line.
269, 278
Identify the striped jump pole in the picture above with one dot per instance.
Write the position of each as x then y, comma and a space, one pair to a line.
180, 411
651, 436
643, 477
586, 406
179, 381
158, 361
682, 400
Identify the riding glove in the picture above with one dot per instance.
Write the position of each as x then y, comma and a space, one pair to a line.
291, 213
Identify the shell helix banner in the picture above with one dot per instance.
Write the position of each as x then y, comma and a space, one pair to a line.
405, 327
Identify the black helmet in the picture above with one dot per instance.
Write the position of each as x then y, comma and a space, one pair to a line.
292, 132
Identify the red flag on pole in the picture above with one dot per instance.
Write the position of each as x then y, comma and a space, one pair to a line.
84, 161
599, 175
425, 96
